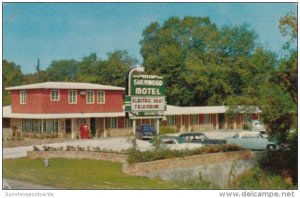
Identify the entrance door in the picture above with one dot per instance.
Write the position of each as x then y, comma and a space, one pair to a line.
68, 126
93, 126
221, 121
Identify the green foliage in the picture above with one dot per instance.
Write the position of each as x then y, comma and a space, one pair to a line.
136, 156
112, 70
201, 63
62, 70
12, 76
197, 183
166, 130
79, 174
258, 178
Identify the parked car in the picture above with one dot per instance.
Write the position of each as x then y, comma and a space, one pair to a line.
257, 125
145, 131
199, 137
175, 143
253, 141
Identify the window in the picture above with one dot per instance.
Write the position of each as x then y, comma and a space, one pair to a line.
100, 97
38, 126
207, 118
194, 119
113, 123
50, 126
89, 97
171, 120
54, 95
23, 97
72, 97
128, 123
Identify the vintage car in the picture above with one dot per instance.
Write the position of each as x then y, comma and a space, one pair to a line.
199, 137
145, 131
175, 143
253, 141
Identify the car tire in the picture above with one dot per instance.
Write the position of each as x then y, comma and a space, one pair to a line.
271, 147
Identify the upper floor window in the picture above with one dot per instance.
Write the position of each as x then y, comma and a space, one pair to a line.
54, 95
72, 97
89, 97
23, 97
100, 97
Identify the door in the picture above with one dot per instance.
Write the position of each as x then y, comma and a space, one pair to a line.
221, 121
68, 126
93, 126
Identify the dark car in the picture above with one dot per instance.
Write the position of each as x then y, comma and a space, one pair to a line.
198, 137
145, 131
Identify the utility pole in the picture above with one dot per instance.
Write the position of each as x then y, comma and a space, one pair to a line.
38, 70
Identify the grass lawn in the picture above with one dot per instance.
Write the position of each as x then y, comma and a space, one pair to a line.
78, 174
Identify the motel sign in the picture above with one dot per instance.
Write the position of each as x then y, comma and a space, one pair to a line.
146, 97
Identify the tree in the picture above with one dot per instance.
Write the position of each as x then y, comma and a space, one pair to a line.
201, 64
111, 71
62, 70
288, 26
12, 76
116, 66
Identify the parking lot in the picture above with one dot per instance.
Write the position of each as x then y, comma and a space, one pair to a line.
110, 143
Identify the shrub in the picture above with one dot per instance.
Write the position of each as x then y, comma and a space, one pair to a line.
166, 130
246, 127
79, 148
258, 178
70, 148
35, 148
136, 156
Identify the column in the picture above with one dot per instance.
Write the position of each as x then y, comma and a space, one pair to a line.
217, 122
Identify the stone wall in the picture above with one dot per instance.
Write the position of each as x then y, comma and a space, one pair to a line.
217, 168
113, 157
6, 133
29, 142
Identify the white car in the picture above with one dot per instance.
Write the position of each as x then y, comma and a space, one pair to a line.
173, 143
257, 125
253, 141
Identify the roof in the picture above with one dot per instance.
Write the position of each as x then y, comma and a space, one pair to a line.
65, 85
175, 110
171, 110
8, 114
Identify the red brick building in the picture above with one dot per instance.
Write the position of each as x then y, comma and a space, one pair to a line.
62, 107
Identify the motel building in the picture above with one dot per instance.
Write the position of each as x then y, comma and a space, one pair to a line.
62, 108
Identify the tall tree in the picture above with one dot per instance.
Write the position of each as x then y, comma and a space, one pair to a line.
200, 63
12, 76
62, 70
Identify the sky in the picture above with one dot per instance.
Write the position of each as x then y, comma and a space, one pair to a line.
55, 31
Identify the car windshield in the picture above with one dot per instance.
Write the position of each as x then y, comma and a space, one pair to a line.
147, 127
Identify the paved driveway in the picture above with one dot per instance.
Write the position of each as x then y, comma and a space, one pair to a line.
110, 143
113, 143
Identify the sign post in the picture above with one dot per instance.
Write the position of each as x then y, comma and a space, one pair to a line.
145, 97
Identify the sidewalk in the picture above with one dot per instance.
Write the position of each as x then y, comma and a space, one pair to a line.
10, 184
